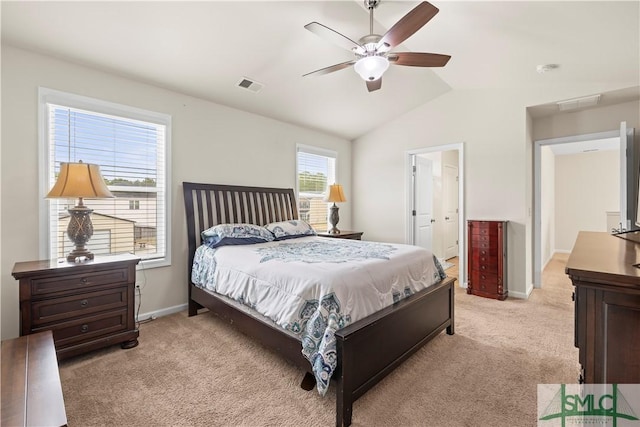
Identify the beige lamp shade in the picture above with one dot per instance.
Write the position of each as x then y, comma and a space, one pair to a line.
82, 180
336, 194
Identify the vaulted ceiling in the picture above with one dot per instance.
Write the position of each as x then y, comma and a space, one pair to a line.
205, 48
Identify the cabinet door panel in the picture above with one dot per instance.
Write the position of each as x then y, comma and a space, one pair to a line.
620, 319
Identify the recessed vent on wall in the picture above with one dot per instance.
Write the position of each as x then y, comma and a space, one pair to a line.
250, 85
572, 104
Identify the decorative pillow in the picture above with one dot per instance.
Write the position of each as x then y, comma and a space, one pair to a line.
290, 229
235, 234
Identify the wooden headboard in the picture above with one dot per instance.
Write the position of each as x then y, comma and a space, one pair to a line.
207, 205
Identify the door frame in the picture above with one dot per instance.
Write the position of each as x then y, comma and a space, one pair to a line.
409, 202
537, 189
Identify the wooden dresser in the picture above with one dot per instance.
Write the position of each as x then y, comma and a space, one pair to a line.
487, 259
607, 307
31, 389
87, 305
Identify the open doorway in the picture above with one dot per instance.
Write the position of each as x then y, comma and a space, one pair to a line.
435, 200
582, 182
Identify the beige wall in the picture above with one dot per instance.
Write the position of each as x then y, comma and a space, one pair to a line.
497, 134
587, 185
210, 143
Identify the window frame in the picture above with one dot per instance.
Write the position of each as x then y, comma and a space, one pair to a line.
51, 96
310, 149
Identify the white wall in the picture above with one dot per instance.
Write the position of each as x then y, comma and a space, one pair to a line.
497, 133
210, 143
587, 185
547, 203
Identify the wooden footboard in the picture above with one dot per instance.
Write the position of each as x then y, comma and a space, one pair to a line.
402, 328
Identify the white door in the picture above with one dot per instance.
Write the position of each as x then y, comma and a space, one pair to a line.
423, 197
450, 200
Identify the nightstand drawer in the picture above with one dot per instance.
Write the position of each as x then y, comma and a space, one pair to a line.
85, 328
54, 310
78, 282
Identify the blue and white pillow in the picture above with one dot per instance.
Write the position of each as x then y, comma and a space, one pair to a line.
290, 229
235, 234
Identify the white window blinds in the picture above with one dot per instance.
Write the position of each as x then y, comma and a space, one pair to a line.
316, 171
132, 157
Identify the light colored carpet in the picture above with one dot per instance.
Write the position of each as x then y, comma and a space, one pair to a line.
198, 371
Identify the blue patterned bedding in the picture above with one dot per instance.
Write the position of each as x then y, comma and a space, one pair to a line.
313, 286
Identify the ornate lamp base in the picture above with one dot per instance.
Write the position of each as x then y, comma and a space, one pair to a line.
333, 220
80, 230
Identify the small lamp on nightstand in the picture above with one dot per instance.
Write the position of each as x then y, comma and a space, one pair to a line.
336, 195
79, 180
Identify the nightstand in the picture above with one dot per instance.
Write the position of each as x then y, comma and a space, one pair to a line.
86, 305
353, 235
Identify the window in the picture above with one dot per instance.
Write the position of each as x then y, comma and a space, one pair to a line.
316, 171
130, 146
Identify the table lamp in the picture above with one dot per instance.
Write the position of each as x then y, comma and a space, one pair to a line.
81, 180
336, 195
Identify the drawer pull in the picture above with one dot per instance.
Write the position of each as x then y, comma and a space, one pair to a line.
482, 276
484, 267
483, 252
84, 303
84, 280
84, 328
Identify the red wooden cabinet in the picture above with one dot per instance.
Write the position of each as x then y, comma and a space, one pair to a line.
487, 259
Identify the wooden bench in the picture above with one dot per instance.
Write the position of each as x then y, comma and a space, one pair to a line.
31, 389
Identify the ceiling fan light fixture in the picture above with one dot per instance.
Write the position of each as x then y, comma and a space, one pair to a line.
371, 67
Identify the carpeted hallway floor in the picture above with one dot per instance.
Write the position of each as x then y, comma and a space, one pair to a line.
199, 371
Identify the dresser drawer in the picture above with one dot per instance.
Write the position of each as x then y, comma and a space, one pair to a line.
483, 228
78, 282
86, 328
476, 239
57, 309
483, 280
485, 267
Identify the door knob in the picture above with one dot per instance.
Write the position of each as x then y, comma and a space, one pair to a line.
446, 217
433, 220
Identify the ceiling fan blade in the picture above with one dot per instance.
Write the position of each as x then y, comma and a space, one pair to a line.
330, 69
332, 36
418, 59
374, 85
409, 24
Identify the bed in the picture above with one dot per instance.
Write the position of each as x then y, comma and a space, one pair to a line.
406, 325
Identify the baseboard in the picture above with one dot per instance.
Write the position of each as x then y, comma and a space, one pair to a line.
521, 295
561, 251
162, 312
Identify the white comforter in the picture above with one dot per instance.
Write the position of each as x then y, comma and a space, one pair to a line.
314, 286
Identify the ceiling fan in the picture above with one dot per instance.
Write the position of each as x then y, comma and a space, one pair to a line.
372, 51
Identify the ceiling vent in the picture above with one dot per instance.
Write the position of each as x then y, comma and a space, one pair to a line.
572, 104
250, 85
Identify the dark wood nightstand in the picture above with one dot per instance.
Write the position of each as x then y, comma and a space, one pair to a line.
353, 235
86, 305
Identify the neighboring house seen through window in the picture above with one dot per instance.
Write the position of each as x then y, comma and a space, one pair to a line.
130, 146
316, 171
